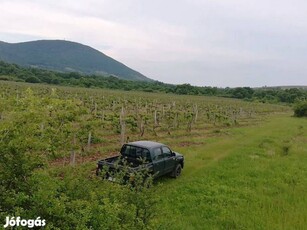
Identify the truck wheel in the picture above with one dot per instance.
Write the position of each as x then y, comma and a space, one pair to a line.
177, 171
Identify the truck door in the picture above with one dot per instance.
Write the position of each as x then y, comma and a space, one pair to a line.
169, 159
158, 161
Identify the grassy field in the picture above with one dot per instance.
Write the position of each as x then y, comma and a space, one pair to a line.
244, 178
245, 162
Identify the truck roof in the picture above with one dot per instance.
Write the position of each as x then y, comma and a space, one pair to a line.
146, 144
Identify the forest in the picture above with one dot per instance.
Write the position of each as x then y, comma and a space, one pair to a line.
12, 72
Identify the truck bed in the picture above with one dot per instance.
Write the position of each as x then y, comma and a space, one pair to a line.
118, 161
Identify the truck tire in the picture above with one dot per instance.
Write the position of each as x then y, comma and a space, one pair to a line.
177, 171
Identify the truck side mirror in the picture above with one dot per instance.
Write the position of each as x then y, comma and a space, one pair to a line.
173, 154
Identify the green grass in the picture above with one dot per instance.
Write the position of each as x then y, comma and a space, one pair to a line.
250, 178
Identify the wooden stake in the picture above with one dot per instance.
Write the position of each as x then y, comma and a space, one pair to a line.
89, 140
122, 126
73, 153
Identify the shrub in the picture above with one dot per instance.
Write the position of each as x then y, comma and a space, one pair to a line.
32, 79
5, 78
300, 110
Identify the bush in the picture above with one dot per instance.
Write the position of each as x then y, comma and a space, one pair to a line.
5, 78
32, 79
68, 198
300, 110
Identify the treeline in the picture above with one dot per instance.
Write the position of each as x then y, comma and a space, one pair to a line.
275, 95
13, 72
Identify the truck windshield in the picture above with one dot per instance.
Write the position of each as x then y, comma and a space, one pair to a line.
135, 152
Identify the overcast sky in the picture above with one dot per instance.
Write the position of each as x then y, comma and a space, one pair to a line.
201, 42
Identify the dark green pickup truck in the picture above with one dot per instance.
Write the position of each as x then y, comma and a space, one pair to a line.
157, 158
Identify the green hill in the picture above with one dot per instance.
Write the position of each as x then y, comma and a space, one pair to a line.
66, 56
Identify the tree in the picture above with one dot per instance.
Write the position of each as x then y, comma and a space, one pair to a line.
300, 110
32, 79
242, 92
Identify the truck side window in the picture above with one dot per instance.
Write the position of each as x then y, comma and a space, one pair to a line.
166, 151
146, 155
157, 154
143, 154
139, 152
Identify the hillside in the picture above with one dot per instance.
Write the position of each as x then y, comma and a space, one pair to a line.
66, 56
